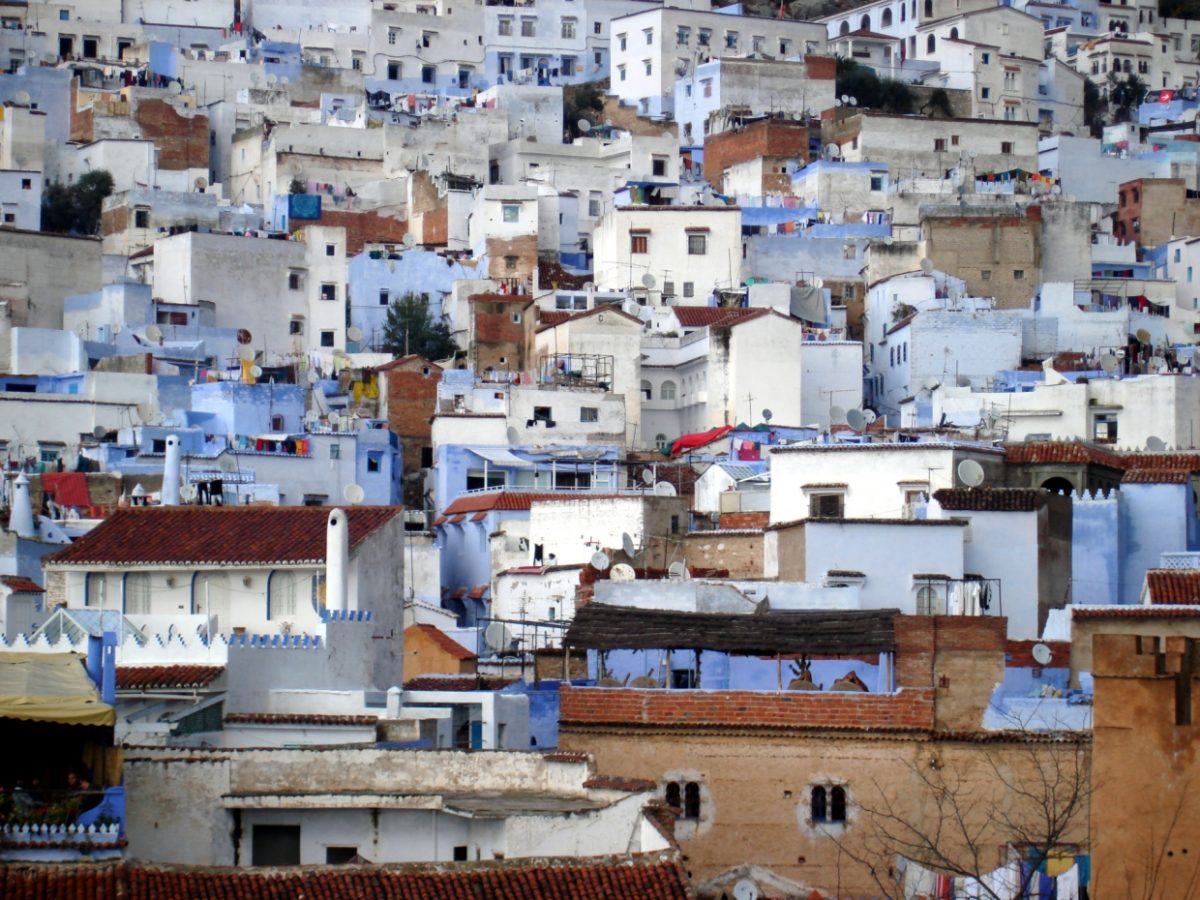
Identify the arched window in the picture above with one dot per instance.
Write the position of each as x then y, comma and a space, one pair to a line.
137, 593
930, 44
667, 391
954, 33
845, 29
691, 800
903, 10
837, 805
865, 24
647, 390
1127, 66
886, 21
661, 442
819, 812
671, 795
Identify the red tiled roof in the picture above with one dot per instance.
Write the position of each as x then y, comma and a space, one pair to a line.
988, 499
1135, 612
1156, 476
181, 535
297, 719
479, 516
142, 678
444, 641
457, 683
403, 360
644, 876
617, 783
19, 585
553, 316
1174, 586
477, 592
1184, 462
703, 316
1061, 452
507, 500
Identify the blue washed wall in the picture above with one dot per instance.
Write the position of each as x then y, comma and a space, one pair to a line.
725, 672
1096, 533
247, 408
418, 271
1155, 518
543, 713
50, 89
382, 487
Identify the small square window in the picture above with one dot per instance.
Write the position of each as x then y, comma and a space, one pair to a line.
27, 185
986, 274
427, 74
141, 218
639, 243
597, 28
1018, 274
328, 291
384, 298
689, 289
589, 414
658, 165
1006, 147
327, 338
877, 182
529, 28
511, 212
64, 15
330, 250
543, 414
293, 281
374, 462
460, 853
510, 264
335, 450
939, 145
697, 244
295, 327
516, 320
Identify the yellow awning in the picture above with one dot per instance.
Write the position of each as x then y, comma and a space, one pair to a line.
50, 687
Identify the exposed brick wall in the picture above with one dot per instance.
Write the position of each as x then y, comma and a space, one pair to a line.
114, 221
361, 227
411, 401
524, 248
1019, 654
81, 119
769, 137
182, 141
435, 227
907, 709
914, 650
499, 342
745, 520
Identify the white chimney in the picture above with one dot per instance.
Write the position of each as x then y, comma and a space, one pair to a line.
20, 517
172, 469
337, 559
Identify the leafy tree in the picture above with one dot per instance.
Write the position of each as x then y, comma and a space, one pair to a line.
586, 101
297, 186
1095, 108
410, 329
1125, 95
871, 91
75, 208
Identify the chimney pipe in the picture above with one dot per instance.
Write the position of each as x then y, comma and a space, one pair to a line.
20, 517
172, 468
337, 558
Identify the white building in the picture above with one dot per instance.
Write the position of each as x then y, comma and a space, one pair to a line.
21, 199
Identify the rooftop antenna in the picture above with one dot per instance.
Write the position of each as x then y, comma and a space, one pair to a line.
970, 473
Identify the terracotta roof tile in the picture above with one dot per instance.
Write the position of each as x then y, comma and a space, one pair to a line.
140, 678
20, 585
1156, 476
457, 683
1048, 453
1174, 586
477, 592
553, 316
1185, 462
644, 876
707, 316
298, 719
506, 500
1135, 612
181, 535
988, 499
444, 641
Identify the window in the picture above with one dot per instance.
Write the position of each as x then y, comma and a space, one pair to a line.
661, 442
64, 15
785, 47
647, 390
689, 289
683, 35
476, 480
594, 204
648, 66
296, 326
877, 182
374, 460
826, 506
1010, 79
658, 166
330, 250
985, 93
589, 414
393, 71
356, 63
697, 244
986, 274
528, 27
1104, 428
674, 524
929, 603
137, 593
328, 291
691, 800
460, 853
335, 450
1006, 147
275, 845
294, 281
392, 32
672, 795
511, 212
141, 217
758, 43
427, 74
828, 804
597, 28
543, 414
649, 34
621, 41
668, 288
620, 73
731, 40
568, 66
1018, 274
930, 44
939, 145
819, 805
837, 804
506, 24
886, 22
667, 391
510, 265
340, 856
568, 28
384, 298
638, 243
327, 338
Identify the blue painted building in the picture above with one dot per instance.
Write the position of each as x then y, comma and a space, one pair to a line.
248, 409
375, 278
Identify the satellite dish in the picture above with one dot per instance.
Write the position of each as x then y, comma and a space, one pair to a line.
354, 333
767, 415
498, 639
622, 572
853, 101
926, 265
245, 353
837, 415
600, 561
272, 79
175, 87
153, 332
244, 336
256, 371
1108, 363
22, 98
409, 240
1155, 443
1143, 336
845, 98
353, 493
745, 889
1042, 655
584, 126
970, 473
99, 432
870, 416
227, 463
312, 376
514, 436
856, 420
664, 489
963, 381
201, 183
627, 545
931, 383
647, 476
648, 281
677, 571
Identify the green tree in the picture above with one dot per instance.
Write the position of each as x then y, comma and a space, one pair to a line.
871, 91
1125, 95
584, 101
297, 186
75, 208
1095, 108
410, 329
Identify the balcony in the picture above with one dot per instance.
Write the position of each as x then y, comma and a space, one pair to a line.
62, 825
